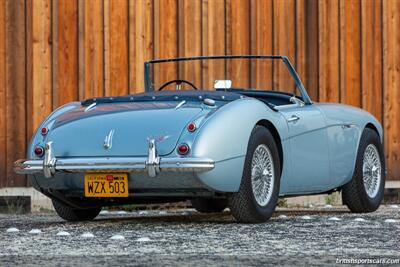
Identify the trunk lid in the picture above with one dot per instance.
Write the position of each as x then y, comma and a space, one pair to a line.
80, 133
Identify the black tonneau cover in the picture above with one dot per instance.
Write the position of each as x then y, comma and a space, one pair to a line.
188, 95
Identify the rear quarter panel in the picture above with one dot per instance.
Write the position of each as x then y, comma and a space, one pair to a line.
48, 122
224, 138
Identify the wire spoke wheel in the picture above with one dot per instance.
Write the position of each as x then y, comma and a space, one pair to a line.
371, 170
364, 192
262, 175
256, 199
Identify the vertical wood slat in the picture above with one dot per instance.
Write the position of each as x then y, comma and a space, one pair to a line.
213, 41
239, 42
262, 43
391, 77
329, 73
54, 50
284, 42
190, 41
106, 44
118, 39
15, 87
140, 41
350, 52
307, 64
81, 47
228, 26
204, 42
372, 57
91, 46
40, 84
29, 68
3, 121
67, 54
165, 39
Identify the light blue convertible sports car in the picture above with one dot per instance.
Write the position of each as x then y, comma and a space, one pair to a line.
215, 137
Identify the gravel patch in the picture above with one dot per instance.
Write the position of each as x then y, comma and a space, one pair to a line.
309, 236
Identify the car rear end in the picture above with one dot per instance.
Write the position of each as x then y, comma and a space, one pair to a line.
115, 149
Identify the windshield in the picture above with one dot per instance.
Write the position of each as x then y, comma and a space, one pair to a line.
272, 73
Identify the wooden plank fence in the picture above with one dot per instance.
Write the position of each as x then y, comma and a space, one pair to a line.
56, 51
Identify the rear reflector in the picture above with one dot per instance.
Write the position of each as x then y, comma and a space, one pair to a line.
39, 151
183, 149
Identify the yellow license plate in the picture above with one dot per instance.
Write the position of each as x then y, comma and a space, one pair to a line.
106, 185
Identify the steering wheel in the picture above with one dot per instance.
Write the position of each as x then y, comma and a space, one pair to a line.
178, 83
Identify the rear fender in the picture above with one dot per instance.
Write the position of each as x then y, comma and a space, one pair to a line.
38, 138
224, 138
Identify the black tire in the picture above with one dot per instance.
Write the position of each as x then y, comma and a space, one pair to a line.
243, 204
74, 215
209, 205
354, 193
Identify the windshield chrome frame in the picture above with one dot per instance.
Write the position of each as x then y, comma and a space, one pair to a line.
285, 59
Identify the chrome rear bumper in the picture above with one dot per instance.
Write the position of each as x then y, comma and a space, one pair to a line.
152, 164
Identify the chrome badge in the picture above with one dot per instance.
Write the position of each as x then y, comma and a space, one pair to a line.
108, 139
159, 138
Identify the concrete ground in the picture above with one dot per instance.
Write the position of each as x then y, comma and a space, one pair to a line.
313, 236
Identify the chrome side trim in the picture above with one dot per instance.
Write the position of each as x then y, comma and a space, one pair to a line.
348, 125
101, 164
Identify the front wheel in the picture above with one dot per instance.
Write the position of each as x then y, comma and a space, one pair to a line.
364, 192
72, 214
259, 190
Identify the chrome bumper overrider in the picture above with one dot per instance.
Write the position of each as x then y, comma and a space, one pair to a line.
153, 164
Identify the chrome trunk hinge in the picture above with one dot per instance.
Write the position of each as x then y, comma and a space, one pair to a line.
180, 104
153, 161
90, 107
49, 162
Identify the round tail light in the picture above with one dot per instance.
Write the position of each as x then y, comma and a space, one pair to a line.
191, 127
183, 149
39, 151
